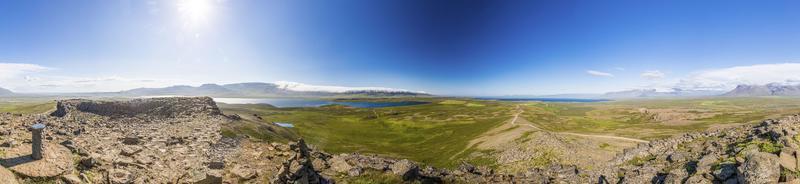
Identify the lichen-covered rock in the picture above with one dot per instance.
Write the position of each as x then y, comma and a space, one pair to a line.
759, 168
339, 164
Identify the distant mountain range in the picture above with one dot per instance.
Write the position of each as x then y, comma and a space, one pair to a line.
258, 89
5, 92
772, 89
291, 89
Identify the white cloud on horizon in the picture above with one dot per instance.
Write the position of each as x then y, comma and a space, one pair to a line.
599, 73
653, 75
69, 84
729, 78
295, 86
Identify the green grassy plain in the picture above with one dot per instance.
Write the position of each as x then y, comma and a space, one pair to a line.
663, 117
27, 107
430, 133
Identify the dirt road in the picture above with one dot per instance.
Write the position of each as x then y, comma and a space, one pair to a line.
520, 111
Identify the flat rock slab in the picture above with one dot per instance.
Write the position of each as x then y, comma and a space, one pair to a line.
7, 177
56, 161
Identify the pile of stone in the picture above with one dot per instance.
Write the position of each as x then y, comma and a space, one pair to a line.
156, 140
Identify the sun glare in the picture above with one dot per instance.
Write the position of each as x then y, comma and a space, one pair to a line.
195, 11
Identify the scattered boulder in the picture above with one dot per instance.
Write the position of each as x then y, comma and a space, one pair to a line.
130, 140
725, 171
129, 151
676, 176
677, 157
243, 172
788, 160
704, 164
759, 168
339, 164
88, 162
406, 169
119, 176
200, 177
355, 171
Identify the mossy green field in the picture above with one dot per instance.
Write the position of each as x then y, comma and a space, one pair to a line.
429, 133
432, 133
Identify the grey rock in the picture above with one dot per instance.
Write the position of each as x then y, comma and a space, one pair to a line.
406, 169
354, 172
725, 171
759, 168
119, 176
339, 164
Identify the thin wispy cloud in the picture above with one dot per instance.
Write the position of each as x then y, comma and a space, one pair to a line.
11, 70
653, 75
599, 73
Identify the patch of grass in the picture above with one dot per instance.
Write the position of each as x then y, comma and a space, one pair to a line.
639, 161
763, 146
524, 138
26, 107
604, 145
770, 147
453, 102
546, 158
228, 133
373, 177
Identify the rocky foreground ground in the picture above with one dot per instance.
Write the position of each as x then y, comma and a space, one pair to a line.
179, 140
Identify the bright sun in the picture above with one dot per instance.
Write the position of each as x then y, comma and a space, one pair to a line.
195, 11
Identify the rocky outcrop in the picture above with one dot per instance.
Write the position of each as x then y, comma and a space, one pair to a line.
155, 140
763, 153
152, 107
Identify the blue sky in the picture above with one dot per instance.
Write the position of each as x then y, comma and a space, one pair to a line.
449, 47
